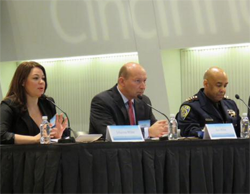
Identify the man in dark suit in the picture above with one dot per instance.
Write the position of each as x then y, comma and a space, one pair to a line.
111, 107
248, 111
209, 105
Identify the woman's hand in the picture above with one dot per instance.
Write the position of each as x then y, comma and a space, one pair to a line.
37, 138
26, 139
61, 125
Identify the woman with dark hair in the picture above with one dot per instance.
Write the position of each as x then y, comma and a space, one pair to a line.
25, 104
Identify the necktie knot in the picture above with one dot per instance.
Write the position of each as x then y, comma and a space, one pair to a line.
130, 103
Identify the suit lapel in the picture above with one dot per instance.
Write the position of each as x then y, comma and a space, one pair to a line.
119, 102
225, 108
139, 109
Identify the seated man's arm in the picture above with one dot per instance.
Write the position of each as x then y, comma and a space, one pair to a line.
248, 108
189, 121
158, 129
238, 119
100, 116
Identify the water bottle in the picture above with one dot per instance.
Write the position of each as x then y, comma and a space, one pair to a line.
45, 131
173, 134
244, 127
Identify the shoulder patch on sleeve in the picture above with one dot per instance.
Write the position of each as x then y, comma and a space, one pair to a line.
185, 109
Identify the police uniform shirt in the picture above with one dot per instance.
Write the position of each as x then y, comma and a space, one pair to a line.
200, 110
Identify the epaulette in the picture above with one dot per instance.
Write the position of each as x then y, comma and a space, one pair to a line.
193, 98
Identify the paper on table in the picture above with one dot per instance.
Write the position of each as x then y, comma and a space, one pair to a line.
88, 137
53, 140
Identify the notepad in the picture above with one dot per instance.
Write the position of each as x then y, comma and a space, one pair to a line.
88, 138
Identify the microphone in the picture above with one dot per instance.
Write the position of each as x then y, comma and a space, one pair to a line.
75, 135
164, 137
140, 97
238, 98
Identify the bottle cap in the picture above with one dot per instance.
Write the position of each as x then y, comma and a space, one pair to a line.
44, 118
172, 115
244, 114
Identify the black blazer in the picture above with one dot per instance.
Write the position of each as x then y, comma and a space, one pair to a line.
108, 108
248, 110
13, 121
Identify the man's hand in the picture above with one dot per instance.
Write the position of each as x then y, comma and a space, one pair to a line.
158, 129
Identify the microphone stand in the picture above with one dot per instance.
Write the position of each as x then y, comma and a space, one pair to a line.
238, 98
164, 137
75, 135
158, 111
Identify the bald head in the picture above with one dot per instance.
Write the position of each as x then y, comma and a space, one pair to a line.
214, 72
132, 80
129, 68
215, 83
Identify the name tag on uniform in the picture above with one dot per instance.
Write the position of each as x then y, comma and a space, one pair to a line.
209, 120
219, 131
124, 133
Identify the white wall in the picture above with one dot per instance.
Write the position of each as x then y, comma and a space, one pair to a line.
192, 23
48, 29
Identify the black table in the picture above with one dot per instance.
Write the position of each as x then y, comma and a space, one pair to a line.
197, 166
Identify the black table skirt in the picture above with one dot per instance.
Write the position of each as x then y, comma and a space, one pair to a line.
197, 166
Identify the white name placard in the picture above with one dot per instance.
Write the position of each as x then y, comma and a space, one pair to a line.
124, 133
219, 131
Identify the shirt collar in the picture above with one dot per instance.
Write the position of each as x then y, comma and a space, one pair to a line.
125, 100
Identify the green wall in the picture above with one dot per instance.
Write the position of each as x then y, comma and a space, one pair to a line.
7, 70
172, 73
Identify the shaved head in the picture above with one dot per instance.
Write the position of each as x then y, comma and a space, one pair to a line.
128, 68
213, 72
132, 80
215, 82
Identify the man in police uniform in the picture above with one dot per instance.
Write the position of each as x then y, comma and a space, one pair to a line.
209, 105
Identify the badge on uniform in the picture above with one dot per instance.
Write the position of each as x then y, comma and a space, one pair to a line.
231, 112
185, 109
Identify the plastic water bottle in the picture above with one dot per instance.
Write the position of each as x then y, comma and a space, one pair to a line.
173, 134
244, 127
45, 131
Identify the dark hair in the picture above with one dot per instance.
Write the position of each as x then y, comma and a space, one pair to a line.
16, 92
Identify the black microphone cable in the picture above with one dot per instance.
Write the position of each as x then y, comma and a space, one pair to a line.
238, 98
69, 128
140, 97
164, 137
